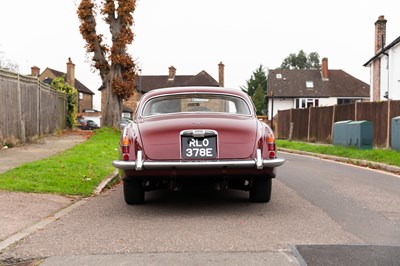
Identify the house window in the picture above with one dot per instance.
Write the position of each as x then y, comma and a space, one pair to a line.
80, 96
306, 103
309, 84
344, 101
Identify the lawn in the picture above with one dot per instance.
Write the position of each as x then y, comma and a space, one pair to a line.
386, 156
76, 171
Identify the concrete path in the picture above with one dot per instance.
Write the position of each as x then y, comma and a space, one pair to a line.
19, 211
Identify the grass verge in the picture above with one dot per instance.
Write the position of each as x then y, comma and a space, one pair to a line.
76, 171
386, 156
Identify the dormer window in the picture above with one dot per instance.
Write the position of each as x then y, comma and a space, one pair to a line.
309, 84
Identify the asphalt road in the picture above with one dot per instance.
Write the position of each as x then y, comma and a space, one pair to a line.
364, 202
316, 206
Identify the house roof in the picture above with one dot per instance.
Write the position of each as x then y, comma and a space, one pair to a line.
146, 83
292, 84
384, 50
78, 85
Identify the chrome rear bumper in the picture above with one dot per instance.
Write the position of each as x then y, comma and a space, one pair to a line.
139, 165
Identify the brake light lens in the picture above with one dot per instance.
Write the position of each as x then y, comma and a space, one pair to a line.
125, 148
271, 145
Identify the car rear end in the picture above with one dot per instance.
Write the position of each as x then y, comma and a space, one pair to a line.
228, 149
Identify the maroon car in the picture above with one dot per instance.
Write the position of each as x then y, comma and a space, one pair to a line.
207, 134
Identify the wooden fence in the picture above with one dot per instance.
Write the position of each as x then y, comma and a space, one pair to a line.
316, 124
29, 108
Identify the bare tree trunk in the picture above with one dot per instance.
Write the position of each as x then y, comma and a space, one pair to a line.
113, 108
118, 73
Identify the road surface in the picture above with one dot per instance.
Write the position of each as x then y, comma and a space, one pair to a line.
318, 211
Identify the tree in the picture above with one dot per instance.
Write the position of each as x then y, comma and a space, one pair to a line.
257, 88
259, 100
72, 98
258, 78
117, 68
301, 61
313, 61
7, 63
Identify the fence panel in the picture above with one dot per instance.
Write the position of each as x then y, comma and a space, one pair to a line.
321, 124
30, 97
394, 109
377, 113
283, 124
8, 106
300, 123
344, 112
28, 108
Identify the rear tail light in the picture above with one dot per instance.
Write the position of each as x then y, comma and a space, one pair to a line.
271, 146
125, 149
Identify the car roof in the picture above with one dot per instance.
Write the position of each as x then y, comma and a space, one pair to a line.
204, 89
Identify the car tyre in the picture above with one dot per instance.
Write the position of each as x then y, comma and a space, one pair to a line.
133, 192
260, 190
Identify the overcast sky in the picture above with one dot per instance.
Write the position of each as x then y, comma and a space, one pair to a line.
197, 35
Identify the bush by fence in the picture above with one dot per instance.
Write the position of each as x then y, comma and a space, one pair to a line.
28, 108
316, 124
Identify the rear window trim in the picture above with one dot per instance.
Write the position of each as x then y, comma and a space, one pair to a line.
249, 106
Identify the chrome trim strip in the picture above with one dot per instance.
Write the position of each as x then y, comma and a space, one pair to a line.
148, 165
139, 161
259, 160
249, 105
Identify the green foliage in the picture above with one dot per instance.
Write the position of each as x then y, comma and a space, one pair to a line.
72, 95
257, 79
256, 88
77, 171
259, 100
386, 156
301, 61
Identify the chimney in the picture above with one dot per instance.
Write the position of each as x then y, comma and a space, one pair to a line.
324, 69
221, 67
35, 71
70, 73
172, 72
380, 33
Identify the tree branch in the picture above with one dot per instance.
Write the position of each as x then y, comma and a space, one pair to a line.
86, 14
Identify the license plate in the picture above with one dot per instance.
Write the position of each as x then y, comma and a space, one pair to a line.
199, 148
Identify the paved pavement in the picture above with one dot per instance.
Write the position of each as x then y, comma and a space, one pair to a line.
19, 211
24, 213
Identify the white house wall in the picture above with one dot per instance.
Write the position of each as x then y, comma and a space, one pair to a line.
280, 104
327, 101
394, 73
384, 77
289, 103
390, 74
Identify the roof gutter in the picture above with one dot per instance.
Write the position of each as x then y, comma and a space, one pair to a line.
382, 51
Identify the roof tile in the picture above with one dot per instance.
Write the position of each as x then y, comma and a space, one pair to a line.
292, 84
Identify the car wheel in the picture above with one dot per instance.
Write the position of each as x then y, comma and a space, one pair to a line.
133, 192
260, 190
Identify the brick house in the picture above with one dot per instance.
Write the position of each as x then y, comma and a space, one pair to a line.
146, 83
296, 88
85, 98
384, 65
